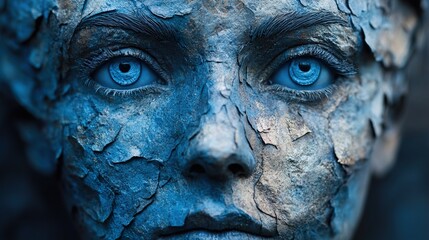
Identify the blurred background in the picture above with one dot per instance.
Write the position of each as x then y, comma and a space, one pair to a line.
397, 207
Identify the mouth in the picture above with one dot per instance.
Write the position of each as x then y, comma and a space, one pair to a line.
230, 224
205, 234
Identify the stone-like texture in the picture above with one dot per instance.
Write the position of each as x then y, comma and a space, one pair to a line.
126, 158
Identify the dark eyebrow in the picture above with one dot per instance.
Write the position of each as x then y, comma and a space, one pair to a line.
137, 23
289, 22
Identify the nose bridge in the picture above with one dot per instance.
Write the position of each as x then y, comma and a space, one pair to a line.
219, 125
216, 137
220, 147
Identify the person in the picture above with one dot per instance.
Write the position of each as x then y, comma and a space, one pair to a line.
210, 119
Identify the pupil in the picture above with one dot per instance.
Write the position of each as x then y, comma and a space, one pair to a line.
124, 67
304, 67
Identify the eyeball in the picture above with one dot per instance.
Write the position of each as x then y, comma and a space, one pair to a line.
125, 73
304, 73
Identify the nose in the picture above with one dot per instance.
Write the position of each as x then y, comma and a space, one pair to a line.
220, 149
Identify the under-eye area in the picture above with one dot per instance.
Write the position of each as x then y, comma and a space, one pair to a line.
306, 73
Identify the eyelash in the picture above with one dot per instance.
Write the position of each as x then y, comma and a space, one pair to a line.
89, 65
341, 68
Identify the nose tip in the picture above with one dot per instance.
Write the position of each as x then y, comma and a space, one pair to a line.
225, 167
219, 148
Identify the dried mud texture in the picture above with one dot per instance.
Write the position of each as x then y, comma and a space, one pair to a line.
127, 166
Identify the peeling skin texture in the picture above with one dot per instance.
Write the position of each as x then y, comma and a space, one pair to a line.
214, 151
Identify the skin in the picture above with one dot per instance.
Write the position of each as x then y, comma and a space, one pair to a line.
213, 151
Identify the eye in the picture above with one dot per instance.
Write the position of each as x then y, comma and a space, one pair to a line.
304, 73
125, 73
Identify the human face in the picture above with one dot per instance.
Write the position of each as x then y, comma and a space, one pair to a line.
215, 119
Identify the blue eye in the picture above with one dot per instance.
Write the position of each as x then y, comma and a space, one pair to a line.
304, 73
125, 73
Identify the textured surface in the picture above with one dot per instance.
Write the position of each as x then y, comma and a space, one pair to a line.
128, 162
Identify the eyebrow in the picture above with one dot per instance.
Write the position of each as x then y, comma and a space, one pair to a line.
137, 23
289, 22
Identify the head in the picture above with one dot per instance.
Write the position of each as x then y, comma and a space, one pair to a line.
210, 119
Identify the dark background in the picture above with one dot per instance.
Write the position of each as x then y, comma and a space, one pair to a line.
397, 207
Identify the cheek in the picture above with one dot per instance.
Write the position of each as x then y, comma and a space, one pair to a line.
307, 157
299, 173
114, 153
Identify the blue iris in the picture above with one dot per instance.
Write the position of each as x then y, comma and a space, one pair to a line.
125, 71
304, 73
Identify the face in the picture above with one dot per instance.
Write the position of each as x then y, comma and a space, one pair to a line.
216, 119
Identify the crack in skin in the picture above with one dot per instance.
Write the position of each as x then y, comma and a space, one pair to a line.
125, 160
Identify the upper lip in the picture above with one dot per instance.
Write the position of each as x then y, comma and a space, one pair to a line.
229, 220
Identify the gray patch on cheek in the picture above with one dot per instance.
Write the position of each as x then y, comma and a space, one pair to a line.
98, 134
264, 129
351, 138
266, 126
297, 126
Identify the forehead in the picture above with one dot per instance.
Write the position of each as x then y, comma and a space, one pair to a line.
197, 17
199, 9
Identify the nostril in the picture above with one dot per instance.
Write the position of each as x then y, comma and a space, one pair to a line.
197, 169
236, 169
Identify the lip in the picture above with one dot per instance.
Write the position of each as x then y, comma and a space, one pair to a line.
205, 234
229, 224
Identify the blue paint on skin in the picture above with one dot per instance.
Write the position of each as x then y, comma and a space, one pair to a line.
197, 139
